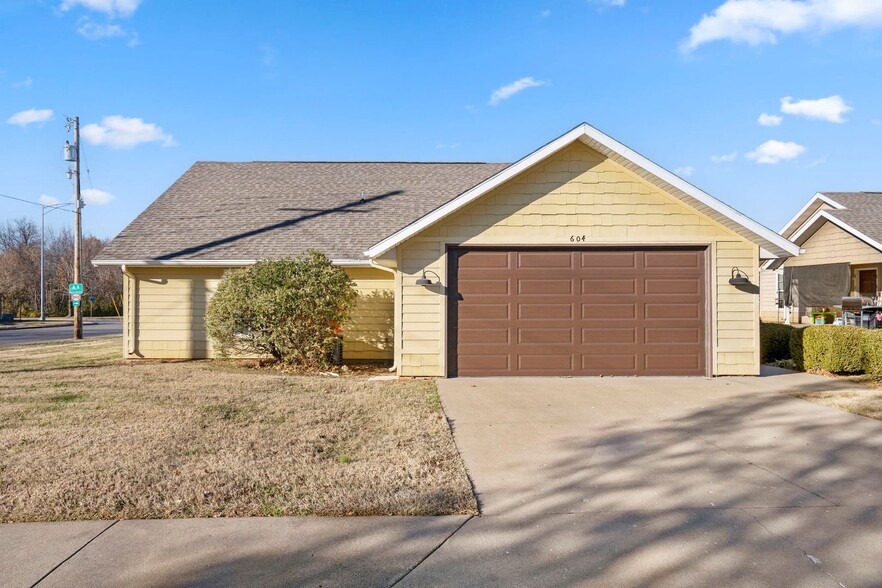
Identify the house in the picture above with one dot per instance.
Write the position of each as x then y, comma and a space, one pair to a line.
840, 235
582, 258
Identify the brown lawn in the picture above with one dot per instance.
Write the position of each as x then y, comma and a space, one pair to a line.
84, 435
864, 400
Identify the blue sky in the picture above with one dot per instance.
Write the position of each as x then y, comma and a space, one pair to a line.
159, 84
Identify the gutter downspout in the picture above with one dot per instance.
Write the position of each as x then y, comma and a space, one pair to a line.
130, 308
376, 265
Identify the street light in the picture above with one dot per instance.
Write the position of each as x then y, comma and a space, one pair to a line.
44, 208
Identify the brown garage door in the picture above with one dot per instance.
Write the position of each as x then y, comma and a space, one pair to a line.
576, 312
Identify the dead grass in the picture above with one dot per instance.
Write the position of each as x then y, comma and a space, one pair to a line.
864, 399
84, 435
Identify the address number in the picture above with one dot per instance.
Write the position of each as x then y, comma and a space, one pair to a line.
577, 238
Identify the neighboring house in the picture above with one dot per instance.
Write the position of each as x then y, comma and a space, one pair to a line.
583, 258
840, 235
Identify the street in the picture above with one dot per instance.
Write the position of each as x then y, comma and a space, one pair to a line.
91, 328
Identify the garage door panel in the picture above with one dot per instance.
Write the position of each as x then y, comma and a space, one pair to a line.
545, 311
546, 336
544, 362
672, 335
578, 312
604, 286
609, 311
545, 259
669, 260
485, 260
673, 285
483, 287
608, 260
477, 310
624, 362
608, 335
543, 287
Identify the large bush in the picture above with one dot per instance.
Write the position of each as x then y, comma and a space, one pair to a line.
838, 350
872, 351
289, 309
775, 341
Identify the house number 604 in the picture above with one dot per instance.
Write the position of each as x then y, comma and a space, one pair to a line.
577, 238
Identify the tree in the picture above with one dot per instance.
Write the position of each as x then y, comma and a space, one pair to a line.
289, 309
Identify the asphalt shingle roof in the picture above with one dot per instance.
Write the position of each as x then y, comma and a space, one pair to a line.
247, 211
863, 211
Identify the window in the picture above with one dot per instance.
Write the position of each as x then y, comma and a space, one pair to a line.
780, 300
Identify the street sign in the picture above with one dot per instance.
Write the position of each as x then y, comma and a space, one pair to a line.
75, 288
74, 302
91, 299
76, 297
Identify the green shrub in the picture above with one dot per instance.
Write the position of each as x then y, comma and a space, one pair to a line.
289, 309
872, 348
838, 350
774, 342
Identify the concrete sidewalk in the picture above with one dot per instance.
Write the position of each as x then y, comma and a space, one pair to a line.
291, 551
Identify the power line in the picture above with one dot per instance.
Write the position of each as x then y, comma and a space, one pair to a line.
59, 205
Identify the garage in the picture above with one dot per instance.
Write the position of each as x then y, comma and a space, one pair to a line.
577, 312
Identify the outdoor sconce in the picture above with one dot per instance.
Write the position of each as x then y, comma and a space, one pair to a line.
425, 281
737, 279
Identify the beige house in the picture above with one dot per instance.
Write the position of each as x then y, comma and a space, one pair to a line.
840, 237
582, 258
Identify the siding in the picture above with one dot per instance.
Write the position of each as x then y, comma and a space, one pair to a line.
830, 244
165, 314
769, 311
577, 193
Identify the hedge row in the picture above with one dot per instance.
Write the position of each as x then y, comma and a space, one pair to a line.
835, 349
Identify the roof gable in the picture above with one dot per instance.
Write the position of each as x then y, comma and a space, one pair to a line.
772, 244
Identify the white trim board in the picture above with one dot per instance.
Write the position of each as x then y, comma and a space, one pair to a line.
770, 242
814, 200
210, 262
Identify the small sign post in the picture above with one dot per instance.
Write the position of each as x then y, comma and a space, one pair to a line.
91, 308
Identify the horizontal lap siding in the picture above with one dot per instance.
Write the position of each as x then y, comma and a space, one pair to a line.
577, 192
170, 308
170, 303
369, 333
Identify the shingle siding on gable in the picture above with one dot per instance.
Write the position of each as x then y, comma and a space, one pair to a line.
578, 192
831, 244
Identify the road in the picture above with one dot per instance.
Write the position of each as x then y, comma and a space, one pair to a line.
42, 335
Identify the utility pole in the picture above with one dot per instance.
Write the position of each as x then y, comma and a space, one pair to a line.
74, 123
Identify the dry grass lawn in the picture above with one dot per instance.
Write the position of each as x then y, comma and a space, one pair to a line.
864, 400
84, 435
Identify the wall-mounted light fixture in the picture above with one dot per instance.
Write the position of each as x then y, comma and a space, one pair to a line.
425, 281
738, 279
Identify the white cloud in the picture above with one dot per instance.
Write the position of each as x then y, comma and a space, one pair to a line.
25, 83
830, 109
507, 91
97, 197
27, 117
48, 200
608, 2
545, 13
121, 132
876, 122
111, 8
724, 158
94, 32
772, 152
685, 171
758, 22
770, 120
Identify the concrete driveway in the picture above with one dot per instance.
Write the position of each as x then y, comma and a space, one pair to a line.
661, 481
